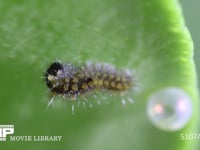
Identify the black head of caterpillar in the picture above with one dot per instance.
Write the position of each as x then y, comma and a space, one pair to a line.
70, 81
52, 72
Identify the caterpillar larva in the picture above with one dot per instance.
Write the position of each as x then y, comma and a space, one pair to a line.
71, 81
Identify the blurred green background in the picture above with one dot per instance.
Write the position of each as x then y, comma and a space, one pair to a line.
31, 34
191, 11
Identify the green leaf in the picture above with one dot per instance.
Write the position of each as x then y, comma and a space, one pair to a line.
148, 37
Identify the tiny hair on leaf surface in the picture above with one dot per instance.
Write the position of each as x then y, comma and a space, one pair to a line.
148, 37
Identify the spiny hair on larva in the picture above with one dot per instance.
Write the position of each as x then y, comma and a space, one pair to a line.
71, 81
